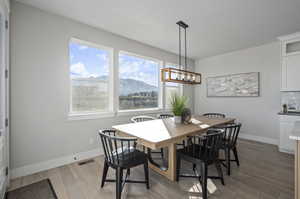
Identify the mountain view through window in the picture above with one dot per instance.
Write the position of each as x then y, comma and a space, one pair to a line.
138, 82
89, 70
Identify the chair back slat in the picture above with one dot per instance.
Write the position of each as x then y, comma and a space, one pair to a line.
205, 147
231, 133
164, 116
116, 148
142, 118
214, 115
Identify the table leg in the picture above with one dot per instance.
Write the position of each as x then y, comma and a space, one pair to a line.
170, 172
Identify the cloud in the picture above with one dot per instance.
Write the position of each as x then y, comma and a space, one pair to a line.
79, 70
139, 70
103, 57
81, 47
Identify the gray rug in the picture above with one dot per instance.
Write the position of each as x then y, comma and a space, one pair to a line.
39, 190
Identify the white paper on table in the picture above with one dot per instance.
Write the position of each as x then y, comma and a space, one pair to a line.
194, 121
204, 126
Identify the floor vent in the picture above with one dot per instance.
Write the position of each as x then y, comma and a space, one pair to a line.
86, 162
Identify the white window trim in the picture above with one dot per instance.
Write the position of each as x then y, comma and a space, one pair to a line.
160, 95
98, 114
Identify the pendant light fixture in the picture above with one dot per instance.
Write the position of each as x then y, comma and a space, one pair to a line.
181, 75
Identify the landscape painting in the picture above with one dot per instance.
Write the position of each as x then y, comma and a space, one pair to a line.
234, 85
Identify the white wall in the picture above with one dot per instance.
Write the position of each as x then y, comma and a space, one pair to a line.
257, 114
40, 130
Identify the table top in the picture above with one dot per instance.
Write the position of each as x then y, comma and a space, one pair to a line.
160, 132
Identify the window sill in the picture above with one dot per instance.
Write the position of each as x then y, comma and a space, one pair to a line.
125, 113
140, 112
89, 116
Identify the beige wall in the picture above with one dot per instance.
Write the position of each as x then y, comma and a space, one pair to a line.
257, 114
40, 129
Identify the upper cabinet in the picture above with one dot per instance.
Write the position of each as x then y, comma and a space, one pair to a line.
290, 62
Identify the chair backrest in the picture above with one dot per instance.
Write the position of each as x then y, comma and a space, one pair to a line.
214, 115
116, 148
205, 147
231, 133
142, 118
164, 115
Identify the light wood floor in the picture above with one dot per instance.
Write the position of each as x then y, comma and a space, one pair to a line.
264, 173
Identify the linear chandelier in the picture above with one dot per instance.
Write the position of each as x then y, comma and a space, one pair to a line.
180, 75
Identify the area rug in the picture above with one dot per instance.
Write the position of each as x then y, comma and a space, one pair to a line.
39, 190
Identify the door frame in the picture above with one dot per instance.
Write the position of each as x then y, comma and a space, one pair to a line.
4, 12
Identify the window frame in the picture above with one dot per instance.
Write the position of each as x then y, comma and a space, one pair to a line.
160, 92
92, 114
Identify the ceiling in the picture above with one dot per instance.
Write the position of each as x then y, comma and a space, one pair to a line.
216, 26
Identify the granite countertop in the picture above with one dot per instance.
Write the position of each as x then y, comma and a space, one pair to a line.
289, 113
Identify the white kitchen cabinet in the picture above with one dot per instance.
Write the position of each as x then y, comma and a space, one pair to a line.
290, 62
287, 124
291, 73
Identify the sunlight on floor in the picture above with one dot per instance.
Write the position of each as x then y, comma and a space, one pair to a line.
197, 189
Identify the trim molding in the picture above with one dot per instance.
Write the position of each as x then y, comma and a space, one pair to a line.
50, 164
258, 138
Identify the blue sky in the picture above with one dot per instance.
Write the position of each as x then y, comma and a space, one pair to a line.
92, 62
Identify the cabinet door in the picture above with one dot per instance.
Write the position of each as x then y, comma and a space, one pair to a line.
285, 143
292, 64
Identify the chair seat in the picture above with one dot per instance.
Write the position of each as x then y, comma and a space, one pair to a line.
195, 153
129, 158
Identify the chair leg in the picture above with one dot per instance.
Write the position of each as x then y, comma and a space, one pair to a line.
162, 153
104, 173
119, 176
236, 156
146, 170
227, 154
204, 180
220, 172
128, 172
178, 165
194, 167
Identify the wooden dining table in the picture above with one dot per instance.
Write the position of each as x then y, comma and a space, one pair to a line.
165, 133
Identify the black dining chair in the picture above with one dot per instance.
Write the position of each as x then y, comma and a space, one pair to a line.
229, 143
143, 118
202, 151
121, 154
164, 116
214, 115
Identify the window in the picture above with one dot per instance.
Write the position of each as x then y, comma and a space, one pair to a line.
138, 82
171, 87
90, 77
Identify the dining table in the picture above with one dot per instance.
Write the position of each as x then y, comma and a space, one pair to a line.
165, 133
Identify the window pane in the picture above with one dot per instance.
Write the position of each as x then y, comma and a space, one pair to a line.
89, 69
138, 82
169, 91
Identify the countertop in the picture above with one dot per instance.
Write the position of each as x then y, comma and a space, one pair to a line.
289, 113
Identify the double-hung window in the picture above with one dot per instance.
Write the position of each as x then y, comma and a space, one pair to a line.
91, 78
139, 86
171, 88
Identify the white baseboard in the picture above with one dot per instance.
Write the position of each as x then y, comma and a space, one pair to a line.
49, 164
258, 138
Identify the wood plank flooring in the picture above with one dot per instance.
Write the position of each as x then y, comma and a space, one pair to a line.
264, 173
